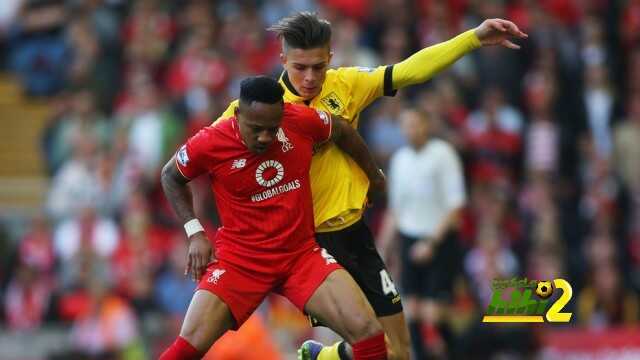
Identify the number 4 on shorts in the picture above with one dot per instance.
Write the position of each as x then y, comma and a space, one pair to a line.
387, 285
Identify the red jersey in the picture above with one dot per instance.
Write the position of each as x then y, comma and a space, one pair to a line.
264, 200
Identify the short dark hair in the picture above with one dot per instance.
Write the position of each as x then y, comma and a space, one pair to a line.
303, 30
261, 89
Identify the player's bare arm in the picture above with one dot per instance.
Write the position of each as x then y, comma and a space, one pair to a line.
177, 191
349, 140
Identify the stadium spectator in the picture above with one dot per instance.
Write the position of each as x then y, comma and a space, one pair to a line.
347, 47
599, 103
198, 66
27, 299
74, 187
493, 137
142, 250
604, 302
451, 107
38, 51
173, 291
147, 33
626, 141
151, 127
82, 243
542, 135
36, 247
489, 259
109, 327
76, 117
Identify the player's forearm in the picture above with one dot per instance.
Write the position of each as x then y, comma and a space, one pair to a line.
427, 62
177, 192
354, 145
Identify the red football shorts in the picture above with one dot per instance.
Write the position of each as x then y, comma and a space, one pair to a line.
243, 289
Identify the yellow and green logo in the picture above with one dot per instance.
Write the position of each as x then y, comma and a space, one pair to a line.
523, 306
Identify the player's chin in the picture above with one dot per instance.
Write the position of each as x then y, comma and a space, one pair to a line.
309, 92
308, 95
259, 150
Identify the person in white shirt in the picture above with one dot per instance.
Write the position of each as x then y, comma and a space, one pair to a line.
426, 196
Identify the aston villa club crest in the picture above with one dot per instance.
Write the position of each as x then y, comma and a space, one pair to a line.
333, 103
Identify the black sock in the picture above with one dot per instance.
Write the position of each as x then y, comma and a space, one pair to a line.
417, 341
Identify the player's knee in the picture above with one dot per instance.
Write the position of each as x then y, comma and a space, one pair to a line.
191, 335
399, 349
197, 336
362, 328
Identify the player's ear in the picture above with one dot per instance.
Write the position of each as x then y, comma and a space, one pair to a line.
283, 58
330, 56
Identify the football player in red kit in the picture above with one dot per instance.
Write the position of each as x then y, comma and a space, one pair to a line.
258, 161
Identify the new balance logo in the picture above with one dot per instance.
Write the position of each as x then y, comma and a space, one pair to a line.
215, 276
238, 163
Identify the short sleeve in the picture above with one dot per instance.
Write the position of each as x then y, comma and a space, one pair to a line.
368, 84
191, 158
314, 123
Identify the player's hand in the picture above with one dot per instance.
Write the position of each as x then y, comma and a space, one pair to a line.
422, 252
198, 257
498, 32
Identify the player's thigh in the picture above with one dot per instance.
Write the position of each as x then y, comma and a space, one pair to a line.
399, 341
340, 304
236, 286
354, 248
207, 318
371, 274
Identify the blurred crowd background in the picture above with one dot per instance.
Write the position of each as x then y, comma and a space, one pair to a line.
95, 95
